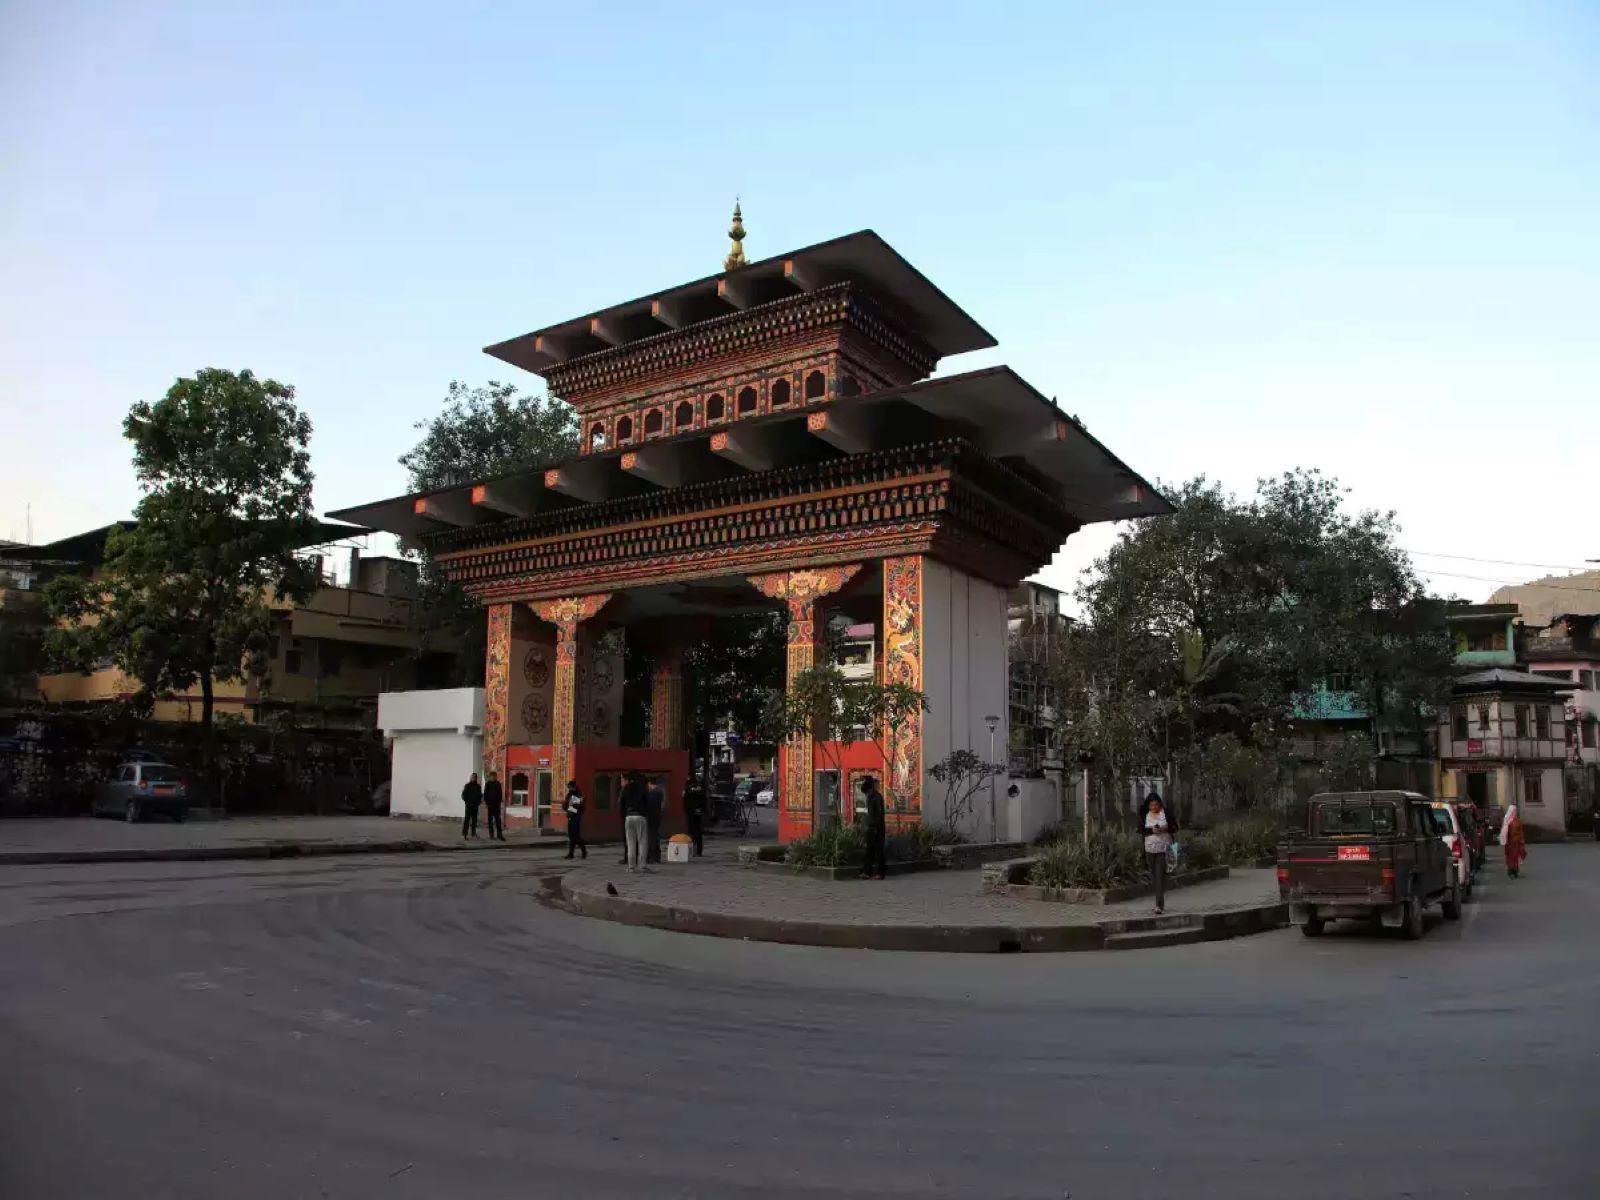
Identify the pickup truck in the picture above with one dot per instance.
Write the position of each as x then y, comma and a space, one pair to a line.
1367, 855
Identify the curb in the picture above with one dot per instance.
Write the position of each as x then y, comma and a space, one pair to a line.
263, 850
945, 939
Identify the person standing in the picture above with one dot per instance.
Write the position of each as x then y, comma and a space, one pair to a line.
655, 801
1513, 841
471, 797
493, 798
635, 823
574, 810
1157, 841
694, 810
875, 863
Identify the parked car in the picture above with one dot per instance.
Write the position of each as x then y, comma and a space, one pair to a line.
1375, 856
138, 789
767, 796
1453, 832
1477, 832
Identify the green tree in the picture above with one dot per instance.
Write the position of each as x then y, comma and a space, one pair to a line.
1225, 616
183, 596
822, 703
481, 432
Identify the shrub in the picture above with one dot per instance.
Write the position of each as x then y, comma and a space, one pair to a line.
839, 845
1240, 841
1112, 858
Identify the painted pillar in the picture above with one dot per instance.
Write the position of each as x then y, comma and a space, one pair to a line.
566, 615
902, 663
800, 591
496, 690
666, 701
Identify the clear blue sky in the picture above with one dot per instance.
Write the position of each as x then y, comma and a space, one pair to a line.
1232, 238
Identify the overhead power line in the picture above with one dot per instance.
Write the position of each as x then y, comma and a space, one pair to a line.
1498, 562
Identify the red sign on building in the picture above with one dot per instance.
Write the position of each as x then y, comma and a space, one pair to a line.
1474, 745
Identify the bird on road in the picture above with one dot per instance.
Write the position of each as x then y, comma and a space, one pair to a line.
611, 889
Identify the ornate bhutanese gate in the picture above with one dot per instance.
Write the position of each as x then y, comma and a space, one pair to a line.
769, 432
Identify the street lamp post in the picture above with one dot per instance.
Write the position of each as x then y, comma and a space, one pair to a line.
993, 723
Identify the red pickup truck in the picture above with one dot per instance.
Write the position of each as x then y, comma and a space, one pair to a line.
1375, 856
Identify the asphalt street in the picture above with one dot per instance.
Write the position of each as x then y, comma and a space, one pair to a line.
425, 1027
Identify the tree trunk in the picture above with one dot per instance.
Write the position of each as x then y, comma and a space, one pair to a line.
208, 746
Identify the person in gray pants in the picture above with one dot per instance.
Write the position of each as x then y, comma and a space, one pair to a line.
635, 821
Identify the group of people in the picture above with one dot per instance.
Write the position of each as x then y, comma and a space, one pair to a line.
491, 797
642, 805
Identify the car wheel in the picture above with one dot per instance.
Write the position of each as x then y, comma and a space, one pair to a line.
130, 812
1411, 926
1313, 927
1452, 903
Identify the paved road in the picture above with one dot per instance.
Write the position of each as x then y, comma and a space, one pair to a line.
423, 1028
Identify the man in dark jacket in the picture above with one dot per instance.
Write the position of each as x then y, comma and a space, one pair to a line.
876, 862
655, 802
694, 814
471, 797
493, 797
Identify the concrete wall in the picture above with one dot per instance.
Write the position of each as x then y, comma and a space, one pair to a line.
430, 767
1038, 803
437, 742
964, 673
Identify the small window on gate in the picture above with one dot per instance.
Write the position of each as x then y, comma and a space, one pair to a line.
780, 393
716, 408
747, 401
653, 422
624, 428
684, 417
816, 385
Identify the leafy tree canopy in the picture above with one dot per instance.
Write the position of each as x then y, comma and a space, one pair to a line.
480, 432
183, 597
1228, 614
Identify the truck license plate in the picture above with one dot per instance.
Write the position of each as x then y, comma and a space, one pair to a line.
1355, 853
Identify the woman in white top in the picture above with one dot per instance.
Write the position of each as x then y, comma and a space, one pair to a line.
1157, 841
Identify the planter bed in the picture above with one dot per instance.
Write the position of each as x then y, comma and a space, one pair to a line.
999, 883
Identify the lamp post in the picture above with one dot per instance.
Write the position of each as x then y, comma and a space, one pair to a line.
993, 723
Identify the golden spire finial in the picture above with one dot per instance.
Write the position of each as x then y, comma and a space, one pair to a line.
735, 257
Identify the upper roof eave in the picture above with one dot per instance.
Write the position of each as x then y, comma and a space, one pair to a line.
863, 256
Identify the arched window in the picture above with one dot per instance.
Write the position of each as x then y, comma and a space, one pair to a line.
780, 393
684, 417
653, 420
747, 401
714, 409
597, 436
624, 429
850, 387
816, 385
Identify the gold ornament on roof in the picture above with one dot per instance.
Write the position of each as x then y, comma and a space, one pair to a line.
735, 257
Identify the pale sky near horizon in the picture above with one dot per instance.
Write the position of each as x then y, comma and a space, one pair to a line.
1232, 238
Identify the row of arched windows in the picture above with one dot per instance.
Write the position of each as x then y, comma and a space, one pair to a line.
746, 403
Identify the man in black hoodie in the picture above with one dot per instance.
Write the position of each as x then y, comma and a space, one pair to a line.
471, 797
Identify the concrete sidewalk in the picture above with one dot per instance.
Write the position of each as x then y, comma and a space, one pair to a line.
937, 910
85, 839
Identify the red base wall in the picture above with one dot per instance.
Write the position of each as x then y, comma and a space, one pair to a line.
591, 760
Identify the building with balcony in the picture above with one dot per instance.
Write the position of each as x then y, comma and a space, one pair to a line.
328, 660
1038, 630
1568, 651
1503, 740
1485, 635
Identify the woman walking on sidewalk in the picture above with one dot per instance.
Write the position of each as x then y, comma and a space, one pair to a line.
1157, 841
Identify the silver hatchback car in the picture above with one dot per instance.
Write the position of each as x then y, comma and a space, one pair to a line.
139, 789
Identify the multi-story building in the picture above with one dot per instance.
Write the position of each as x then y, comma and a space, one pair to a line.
1503, 740
1568, 650
1037, 629
328, 660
